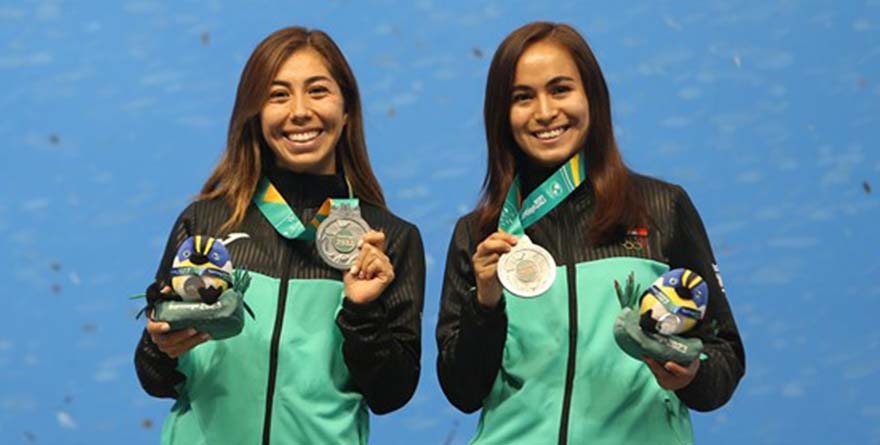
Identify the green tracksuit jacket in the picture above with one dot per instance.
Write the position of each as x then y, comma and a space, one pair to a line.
546, 370
311, 363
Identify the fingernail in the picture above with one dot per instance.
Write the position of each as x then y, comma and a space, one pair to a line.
190, 332
354, 269
360, 243
205, 337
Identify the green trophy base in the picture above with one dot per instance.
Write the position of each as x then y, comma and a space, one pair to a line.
223, 319
662, 348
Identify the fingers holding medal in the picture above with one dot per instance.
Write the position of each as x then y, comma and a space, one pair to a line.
485, 262
372, 260
528, 270
346, 242
371, 272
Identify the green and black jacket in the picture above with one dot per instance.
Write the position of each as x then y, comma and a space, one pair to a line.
307, 367
547, 369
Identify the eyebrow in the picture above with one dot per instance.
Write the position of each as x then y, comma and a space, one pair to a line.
308, 81
559, 79
555, 80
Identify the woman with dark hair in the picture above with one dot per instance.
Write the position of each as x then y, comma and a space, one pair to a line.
326, 342
537, 354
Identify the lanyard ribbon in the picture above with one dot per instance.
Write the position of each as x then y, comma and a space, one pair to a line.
514, 219
276, 210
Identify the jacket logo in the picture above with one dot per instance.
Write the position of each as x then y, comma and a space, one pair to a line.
636, 239
232, 237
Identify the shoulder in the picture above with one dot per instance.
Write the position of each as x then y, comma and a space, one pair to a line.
203, 206
204, 215
468, 224
394, 226
467, 231
654, 186
659, 197
379, 217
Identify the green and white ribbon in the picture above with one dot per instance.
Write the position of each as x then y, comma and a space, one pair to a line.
515, 218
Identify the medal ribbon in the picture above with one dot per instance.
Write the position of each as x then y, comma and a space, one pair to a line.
514, 219
281, 215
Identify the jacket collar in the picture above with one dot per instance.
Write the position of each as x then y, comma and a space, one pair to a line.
303, 190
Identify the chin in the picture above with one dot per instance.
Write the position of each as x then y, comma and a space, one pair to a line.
310, 162
551, 158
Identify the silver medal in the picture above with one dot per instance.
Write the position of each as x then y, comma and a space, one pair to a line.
528, 270
338, 236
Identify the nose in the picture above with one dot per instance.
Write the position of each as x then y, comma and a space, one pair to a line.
299, 111
546, 112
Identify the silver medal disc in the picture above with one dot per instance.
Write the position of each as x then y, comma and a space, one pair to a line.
528, 270
338, 236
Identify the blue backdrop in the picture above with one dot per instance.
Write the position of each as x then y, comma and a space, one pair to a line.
767, 112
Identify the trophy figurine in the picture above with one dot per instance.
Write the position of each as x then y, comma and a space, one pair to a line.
207, 293
671, 306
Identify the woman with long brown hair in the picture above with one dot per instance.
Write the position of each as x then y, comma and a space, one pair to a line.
334, 332
526, 325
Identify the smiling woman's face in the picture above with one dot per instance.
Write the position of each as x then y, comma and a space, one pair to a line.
304, 115
549, 111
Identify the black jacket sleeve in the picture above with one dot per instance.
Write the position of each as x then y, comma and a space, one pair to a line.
156, 371
470, 338
719, 375
382, 338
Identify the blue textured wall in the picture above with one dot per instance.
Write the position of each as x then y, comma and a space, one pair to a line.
767, 112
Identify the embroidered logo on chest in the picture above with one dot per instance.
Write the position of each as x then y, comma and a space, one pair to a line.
636, 239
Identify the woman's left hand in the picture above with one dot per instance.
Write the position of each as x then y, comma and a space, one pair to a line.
673, 376
372, 271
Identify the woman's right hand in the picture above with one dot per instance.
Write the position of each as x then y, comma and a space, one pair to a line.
485, 261
173, 343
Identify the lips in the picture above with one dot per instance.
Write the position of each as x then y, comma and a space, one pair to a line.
550, 133
303, 136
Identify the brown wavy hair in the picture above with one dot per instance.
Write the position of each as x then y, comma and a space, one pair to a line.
618, 207
239, 170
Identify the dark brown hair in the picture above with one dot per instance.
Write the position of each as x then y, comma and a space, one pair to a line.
618, 206
236, 176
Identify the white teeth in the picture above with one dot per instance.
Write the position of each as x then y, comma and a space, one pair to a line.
303, 137
550, 134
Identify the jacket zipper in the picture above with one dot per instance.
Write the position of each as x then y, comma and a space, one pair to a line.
572, 342
273, 349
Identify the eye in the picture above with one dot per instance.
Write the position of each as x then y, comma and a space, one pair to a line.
560, 89
215, 256
319, 91
277, 95
520, 96
186, 253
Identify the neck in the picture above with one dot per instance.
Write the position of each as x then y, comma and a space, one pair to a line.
304, 189
532, 175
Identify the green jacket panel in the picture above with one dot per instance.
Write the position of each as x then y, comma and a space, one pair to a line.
613, 397
223, 397
305, 406
533, 364
611, 388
